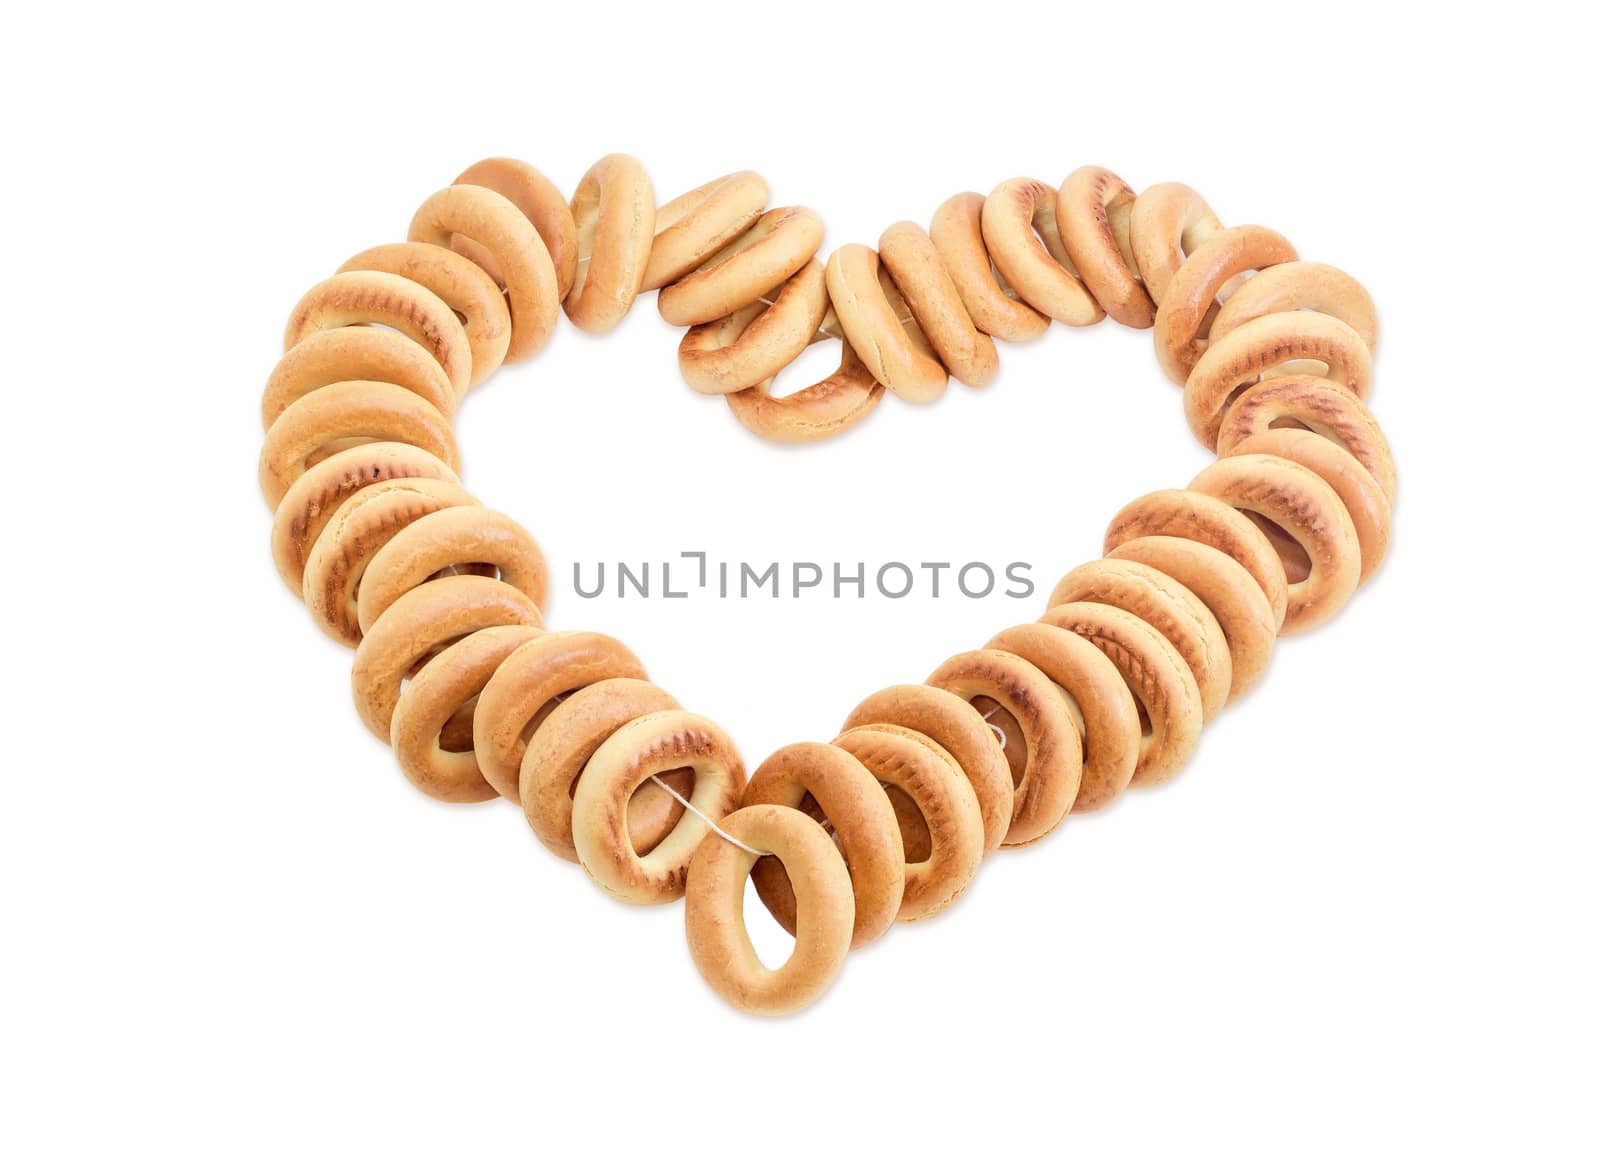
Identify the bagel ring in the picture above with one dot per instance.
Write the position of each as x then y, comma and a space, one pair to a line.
465, 288
541, 202
532, 678
647, 746
352, 299
327, 421
888, 341
345, 353
700, 223
1234, 599
1093, 210
1169, 607
931, 780
1102, 707
1231, 363
355, 534
560, 748
442, 691
957, 234
777, 245
421, 623
518, 253
861, 818
1167, 223
1048, 767
1318, 404
951, 722
714, 910
1193, 289
1300, 504
456, 537
1021, 233
1207, 520
757, 341
314, 498
1160, 680
614, 209
820, 410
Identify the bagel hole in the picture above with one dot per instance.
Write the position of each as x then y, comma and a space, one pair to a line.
813, 365
1289, 422
1296, 563
1008, 732
487, 570
1146, 727
456, 734
773, 945
652, 814
914, 832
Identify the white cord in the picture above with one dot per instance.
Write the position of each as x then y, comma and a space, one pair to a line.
992, 727
707, 819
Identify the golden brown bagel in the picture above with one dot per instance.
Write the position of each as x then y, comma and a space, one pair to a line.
860, 817
650, 745
1093, 211
929, 777
518, 253
714, 911
614, 209
1048, 766
1019, 229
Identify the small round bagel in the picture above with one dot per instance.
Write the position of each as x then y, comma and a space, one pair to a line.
1093, 210
818, 411
462, 284
1300, 285
352, 299
346, 353
1186, 303
957, 235
901, 758
530, 679
757, 341
460, 540
1234, 361
1360, 493
614, 209
700, 223
1330, 409
1156, 674
422, 623
538, 199
650, 745
914, 265
443, 690
1048, 766
1207, 520
359, 530
1102, 707
327, 421
1169, 607
1019, 229
560, 748
1300, 504
714, 911
519, 255
776, 246
859, 816
896, 352
951, 722
313, 499
1234, 599
1167, 223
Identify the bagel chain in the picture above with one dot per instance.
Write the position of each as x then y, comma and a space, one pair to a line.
442, 599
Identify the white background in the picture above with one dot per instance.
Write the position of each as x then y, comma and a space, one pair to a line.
1366, 910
